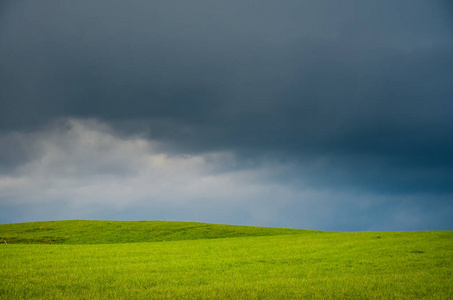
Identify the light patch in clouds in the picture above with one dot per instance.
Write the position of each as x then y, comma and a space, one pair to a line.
86, 162
88, 168
83, 169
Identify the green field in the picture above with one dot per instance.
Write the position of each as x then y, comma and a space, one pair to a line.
177, 260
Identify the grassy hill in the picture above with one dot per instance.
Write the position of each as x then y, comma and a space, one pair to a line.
206, 261
108, 232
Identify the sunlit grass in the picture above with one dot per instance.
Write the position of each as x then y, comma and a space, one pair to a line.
321, 265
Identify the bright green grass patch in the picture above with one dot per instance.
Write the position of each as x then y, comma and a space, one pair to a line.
108, 232
401, 265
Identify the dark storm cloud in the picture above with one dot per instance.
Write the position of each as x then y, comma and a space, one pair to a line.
356, 94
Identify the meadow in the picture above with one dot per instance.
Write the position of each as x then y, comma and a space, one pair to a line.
180, 260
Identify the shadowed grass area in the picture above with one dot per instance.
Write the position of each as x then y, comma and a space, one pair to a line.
108, 232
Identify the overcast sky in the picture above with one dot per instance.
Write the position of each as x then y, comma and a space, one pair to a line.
328, 115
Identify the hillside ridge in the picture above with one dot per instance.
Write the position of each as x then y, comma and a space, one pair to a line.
109, 232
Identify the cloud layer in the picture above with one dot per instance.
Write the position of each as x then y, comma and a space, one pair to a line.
201, 106
84, 169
